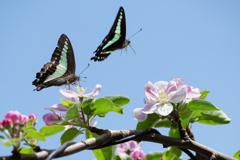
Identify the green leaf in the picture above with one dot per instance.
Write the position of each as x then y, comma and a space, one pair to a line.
185, 117
70, 135
67, 103
118, 100
124, 156
10, 142
172, 154
154, 155
103, 153
87, 107
37, 135
174, 133
29, 128
116, 157
149, 122
164, 123
25, 150
204, 94
30, 122
73, 111
201, 105
213, 118
62, 122
103, 106
51, 130
237, 155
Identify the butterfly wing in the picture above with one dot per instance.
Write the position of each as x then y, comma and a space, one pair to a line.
62, 65
115, 38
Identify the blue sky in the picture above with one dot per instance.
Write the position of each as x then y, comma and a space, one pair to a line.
196, 40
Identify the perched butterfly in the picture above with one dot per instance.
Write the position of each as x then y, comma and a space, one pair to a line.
61, 69
115, 38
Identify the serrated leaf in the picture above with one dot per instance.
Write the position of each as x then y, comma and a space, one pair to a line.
67, 103
154, 155
164, 123
73, 111
213, 118
103, 106
51, 130
237, 155
118, 100
37, 135
201, 105
204, 94
25, 150
149, 122
70, 135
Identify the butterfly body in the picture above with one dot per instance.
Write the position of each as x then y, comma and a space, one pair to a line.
61, 70
115, 38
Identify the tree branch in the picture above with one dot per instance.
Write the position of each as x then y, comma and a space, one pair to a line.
109, 135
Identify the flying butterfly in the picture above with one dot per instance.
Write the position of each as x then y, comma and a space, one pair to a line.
61, 70
115, 38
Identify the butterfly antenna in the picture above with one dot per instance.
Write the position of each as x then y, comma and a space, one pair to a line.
132, 49
135, 33
84, 69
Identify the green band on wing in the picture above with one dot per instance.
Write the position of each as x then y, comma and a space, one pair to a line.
60, 71
115, 38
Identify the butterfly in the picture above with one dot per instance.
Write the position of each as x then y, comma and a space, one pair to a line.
115, 38
61, 69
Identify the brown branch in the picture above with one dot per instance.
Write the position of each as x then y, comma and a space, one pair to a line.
108, 135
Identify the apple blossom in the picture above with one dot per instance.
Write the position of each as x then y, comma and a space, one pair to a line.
128, 147
15, 116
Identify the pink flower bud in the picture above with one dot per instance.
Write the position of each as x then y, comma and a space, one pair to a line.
15, 116
7, 122
34, 116
24, 119
1, 124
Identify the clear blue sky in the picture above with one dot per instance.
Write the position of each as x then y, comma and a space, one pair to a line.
196, 40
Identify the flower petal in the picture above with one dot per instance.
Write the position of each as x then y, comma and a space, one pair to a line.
172, 87
138, 155
151, 92
69, 94
150, 108
96, 91
50, 118
59, 107
124, 146
138, 147
119, 150
179, 81
132, 145
165, 109
179, 95
139, 115
161, 86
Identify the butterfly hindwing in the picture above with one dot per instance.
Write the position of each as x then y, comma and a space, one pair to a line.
61, 69
115, 38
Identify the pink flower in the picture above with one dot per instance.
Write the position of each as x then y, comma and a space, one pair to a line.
70, 95
138, 155
193, 93
50, 118
128, 147
1, 124
15, 116
7, 122
159, 97
24, 119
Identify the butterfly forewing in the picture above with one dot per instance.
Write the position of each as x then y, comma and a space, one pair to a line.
115, 38
61, 69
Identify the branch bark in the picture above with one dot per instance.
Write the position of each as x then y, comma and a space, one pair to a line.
109, 135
